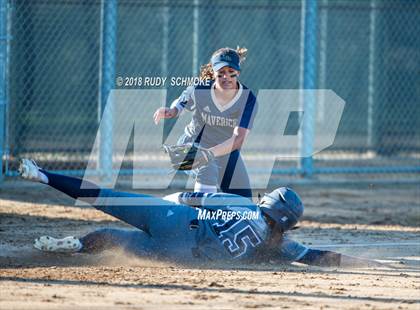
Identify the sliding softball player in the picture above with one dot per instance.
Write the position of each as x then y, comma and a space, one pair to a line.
171, 228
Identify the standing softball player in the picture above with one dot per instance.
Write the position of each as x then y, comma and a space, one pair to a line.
223, 114
171, 228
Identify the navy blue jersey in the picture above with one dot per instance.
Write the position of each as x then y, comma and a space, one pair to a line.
239, 232
212, 122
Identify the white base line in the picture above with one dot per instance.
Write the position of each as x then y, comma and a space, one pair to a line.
360, 245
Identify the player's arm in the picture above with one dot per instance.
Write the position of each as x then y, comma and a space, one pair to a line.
240, 132
320, 258
231, 144
294, 251
333, 259
165, 113
186, 100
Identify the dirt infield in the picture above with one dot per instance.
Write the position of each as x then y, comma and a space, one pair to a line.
381, 222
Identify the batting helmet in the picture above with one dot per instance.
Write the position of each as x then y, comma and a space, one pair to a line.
283, 206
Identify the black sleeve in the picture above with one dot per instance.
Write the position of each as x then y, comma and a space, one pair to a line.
321, 258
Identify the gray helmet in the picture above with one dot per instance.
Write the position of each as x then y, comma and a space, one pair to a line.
283, 206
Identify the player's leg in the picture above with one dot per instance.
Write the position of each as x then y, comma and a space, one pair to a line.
68, 185
133, 241
135, 209
207, 177
166, 222
234, 177
138, 210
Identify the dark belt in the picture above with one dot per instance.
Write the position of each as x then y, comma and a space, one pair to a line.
194, 224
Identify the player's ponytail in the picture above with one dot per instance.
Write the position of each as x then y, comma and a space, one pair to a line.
206, 71
242, 52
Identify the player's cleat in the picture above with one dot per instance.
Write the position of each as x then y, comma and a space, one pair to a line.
29, 170
66, 245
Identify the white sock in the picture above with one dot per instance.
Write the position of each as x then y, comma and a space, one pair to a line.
198, 187
42, 177
172, 197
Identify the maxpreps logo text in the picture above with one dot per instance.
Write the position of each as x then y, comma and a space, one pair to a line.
226, 215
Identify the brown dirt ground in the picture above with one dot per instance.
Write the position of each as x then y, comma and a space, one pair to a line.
337, 216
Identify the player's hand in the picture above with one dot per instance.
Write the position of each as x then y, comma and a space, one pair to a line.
354, 262
164, 113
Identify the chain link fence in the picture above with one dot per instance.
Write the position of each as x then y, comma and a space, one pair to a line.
369, 55
62, 58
